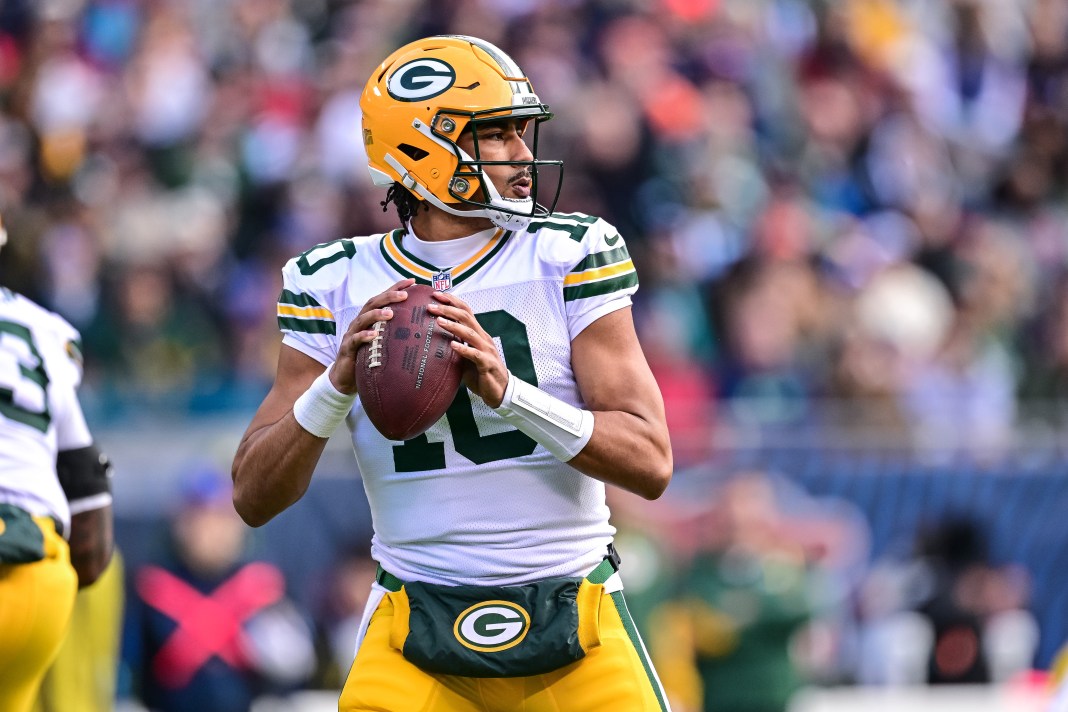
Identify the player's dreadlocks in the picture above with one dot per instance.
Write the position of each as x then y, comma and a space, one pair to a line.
406, 203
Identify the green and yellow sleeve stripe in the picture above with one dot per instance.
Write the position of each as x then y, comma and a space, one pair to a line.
74, 351
300, 312
601, 273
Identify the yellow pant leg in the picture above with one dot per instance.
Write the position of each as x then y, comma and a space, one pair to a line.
35, 606
382, 680
83, 675
615, 676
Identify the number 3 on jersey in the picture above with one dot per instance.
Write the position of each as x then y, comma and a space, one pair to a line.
22, 369
419, 454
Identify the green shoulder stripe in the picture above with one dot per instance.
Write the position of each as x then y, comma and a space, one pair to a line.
575, 225
74, 350
576, 217
605, 286
311, 261
308, 326
297, 299
600, 259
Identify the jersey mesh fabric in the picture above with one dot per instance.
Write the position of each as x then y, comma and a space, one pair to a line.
40, 412
475, 501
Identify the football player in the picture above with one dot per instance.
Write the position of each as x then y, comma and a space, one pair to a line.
504, 497
55, 493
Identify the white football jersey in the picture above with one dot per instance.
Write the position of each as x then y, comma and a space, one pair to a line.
40, 370
475, 501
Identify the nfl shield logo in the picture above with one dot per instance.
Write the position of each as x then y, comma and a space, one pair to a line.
442, 281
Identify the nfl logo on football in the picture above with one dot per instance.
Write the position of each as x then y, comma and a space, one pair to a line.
442, 281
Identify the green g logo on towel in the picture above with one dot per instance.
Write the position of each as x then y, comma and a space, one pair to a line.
492, 626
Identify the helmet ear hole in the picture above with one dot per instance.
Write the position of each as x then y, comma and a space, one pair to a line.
464, 186
413, 152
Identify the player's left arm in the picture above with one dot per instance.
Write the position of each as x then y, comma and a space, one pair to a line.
629, 447
91, 543
84, 473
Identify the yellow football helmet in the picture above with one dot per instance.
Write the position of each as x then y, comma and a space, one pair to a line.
419, 102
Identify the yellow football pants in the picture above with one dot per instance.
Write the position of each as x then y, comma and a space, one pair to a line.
35, 606
616, 676
84, 674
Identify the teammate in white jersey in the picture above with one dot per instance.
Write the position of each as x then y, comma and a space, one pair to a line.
54, 488
503, 499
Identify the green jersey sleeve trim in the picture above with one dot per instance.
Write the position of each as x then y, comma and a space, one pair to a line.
605, 286
308, 326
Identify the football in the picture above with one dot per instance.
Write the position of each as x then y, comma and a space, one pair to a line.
408, 376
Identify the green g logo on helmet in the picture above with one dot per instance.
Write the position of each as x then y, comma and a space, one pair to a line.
492, 626
421, 79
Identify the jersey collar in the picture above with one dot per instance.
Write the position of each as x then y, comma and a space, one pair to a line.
408, 265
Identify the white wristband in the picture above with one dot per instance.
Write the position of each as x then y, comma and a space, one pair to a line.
321, 408
560, 428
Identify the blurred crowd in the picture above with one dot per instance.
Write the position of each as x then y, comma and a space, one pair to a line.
855, 202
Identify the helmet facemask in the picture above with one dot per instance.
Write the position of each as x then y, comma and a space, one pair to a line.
471, 186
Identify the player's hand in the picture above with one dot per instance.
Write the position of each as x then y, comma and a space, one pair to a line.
361, 331
486, 374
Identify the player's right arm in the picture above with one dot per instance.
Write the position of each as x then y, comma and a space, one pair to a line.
277, 455
275, 460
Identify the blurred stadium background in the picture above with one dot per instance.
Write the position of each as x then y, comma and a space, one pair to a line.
849, 222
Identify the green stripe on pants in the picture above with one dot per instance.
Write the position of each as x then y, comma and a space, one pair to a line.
639, 647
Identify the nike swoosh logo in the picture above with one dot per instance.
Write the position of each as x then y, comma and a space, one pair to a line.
611, 240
